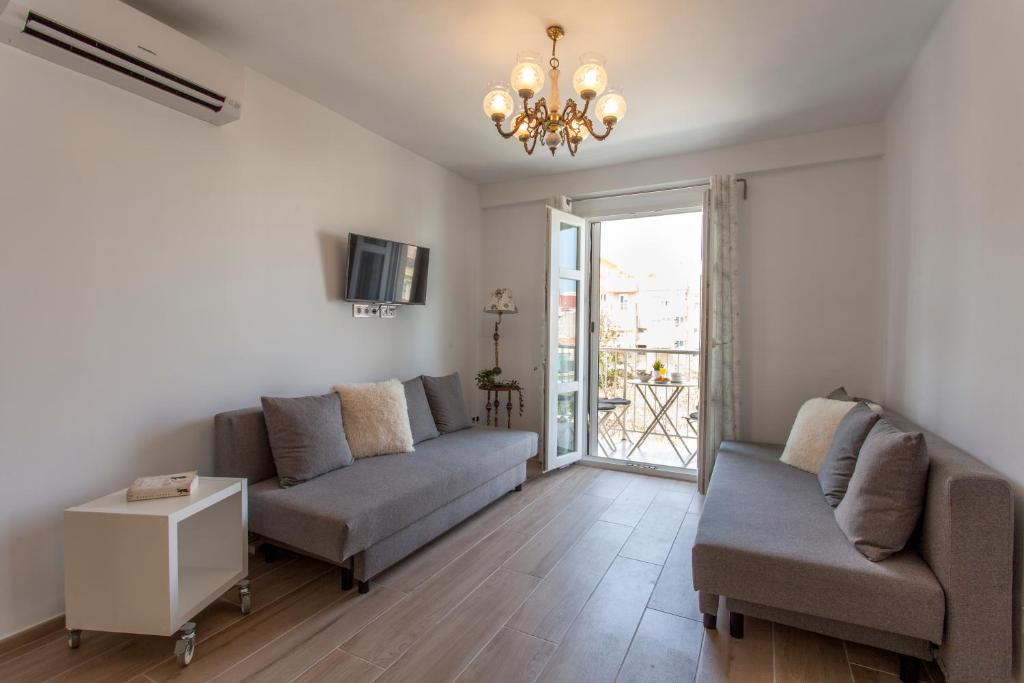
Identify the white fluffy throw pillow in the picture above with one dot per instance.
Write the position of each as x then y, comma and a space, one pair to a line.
812, 432
375, 418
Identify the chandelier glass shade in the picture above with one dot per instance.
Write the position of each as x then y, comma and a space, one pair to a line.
546, 119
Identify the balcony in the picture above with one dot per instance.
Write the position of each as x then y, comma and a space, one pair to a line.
668, 441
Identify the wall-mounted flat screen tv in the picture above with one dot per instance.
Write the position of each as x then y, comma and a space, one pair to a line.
383, 271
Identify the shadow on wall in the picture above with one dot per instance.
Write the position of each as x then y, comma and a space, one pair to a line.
175, 448
333, 256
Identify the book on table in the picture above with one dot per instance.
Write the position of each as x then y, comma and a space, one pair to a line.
163, 486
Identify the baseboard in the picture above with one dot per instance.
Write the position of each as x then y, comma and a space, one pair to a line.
31, 634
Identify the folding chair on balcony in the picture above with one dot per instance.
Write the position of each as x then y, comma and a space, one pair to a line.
611, 418
605, 412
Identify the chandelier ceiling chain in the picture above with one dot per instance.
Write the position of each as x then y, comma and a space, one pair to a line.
571, 125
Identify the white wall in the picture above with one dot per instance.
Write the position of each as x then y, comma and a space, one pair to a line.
155, 270
514, 248
812, 291
955, 171
855, 142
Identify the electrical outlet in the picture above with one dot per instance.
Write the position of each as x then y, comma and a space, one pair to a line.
388, 310
362, 311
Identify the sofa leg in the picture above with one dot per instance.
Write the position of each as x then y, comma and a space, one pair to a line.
910, 669
270, 553
346, 578
364, 586
518, 488
711, 621
736, 625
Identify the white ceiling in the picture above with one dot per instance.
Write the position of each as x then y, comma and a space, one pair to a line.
696, 73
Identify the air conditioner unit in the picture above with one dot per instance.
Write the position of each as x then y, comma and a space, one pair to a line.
113, 42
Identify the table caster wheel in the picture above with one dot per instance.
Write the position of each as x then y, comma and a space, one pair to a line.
74, 638
185, 648
245, 596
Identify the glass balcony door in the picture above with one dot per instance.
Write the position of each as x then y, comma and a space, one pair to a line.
567, 359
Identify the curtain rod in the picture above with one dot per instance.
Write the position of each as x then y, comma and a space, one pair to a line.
692, 186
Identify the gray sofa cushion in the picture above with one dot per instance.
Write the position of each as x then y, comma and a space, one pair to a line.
886, 494
421, 421
346, 511
306, 436
767, 536
446, 402
242, 446
834, 475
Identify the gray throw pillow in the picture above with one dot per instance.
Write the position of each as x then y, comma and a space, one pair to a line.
420, 420
307, 438
836, 470
886, 493
444, 394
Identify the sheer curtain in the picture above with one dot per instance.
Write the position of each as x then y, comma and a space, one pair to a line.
719, 402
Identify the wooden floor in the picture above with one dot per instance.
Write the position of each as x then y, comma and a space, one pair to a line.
584, 576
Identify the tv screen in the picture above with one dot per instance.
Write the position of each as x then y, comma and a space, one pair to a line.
383, 271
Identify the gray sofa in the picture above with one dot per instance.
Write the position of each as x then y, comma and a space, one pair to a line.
371, 514
768, 543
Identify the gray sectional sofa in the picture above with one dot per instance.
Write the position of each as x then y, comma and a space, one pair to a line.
769, 544
368, 516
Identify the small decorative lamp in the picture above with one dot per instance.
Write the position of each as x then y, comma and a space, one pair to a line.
501, 302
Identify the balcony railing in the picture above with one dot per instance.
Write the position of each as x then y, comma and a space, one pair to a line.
618, 365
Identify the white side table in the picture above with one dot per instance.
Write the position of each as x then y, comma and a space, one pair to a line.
149, 566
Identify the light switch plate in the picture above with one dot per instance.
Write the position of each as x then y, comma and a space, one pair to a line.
388, 310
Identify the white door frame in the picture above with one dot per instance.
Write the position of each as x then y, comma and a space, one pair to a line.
594, 318
554, 385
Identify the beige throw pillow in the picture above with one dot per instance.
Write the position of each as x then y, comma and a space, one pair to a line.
376, 418
812, 432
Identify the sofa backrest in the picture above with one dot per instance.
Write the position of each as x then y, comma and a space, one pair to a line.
966, 537
242, 447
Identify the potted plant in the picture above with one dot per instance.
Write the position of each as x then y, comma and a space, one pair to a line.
661, 369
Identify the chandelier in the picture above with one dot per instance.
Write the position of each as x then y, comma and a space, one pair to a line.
571, 125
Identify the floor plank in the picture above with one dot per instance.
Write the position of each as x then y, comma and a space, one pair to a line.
598, 640
341, 667
289, 655
674, 592
873, 658
53, 657
802, 656
558, 600
510, 657
665, 649
384, 640
545, 549
864, 675
450, 646
652, 539
629, 507
537, 516
21, 642
726, 660
610, 483
223, 650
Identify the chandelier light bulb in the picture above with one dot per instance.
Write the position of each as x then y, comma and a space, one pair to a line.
523, 131
590, 78
527, 75
498, 102
611, 107
577, 131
